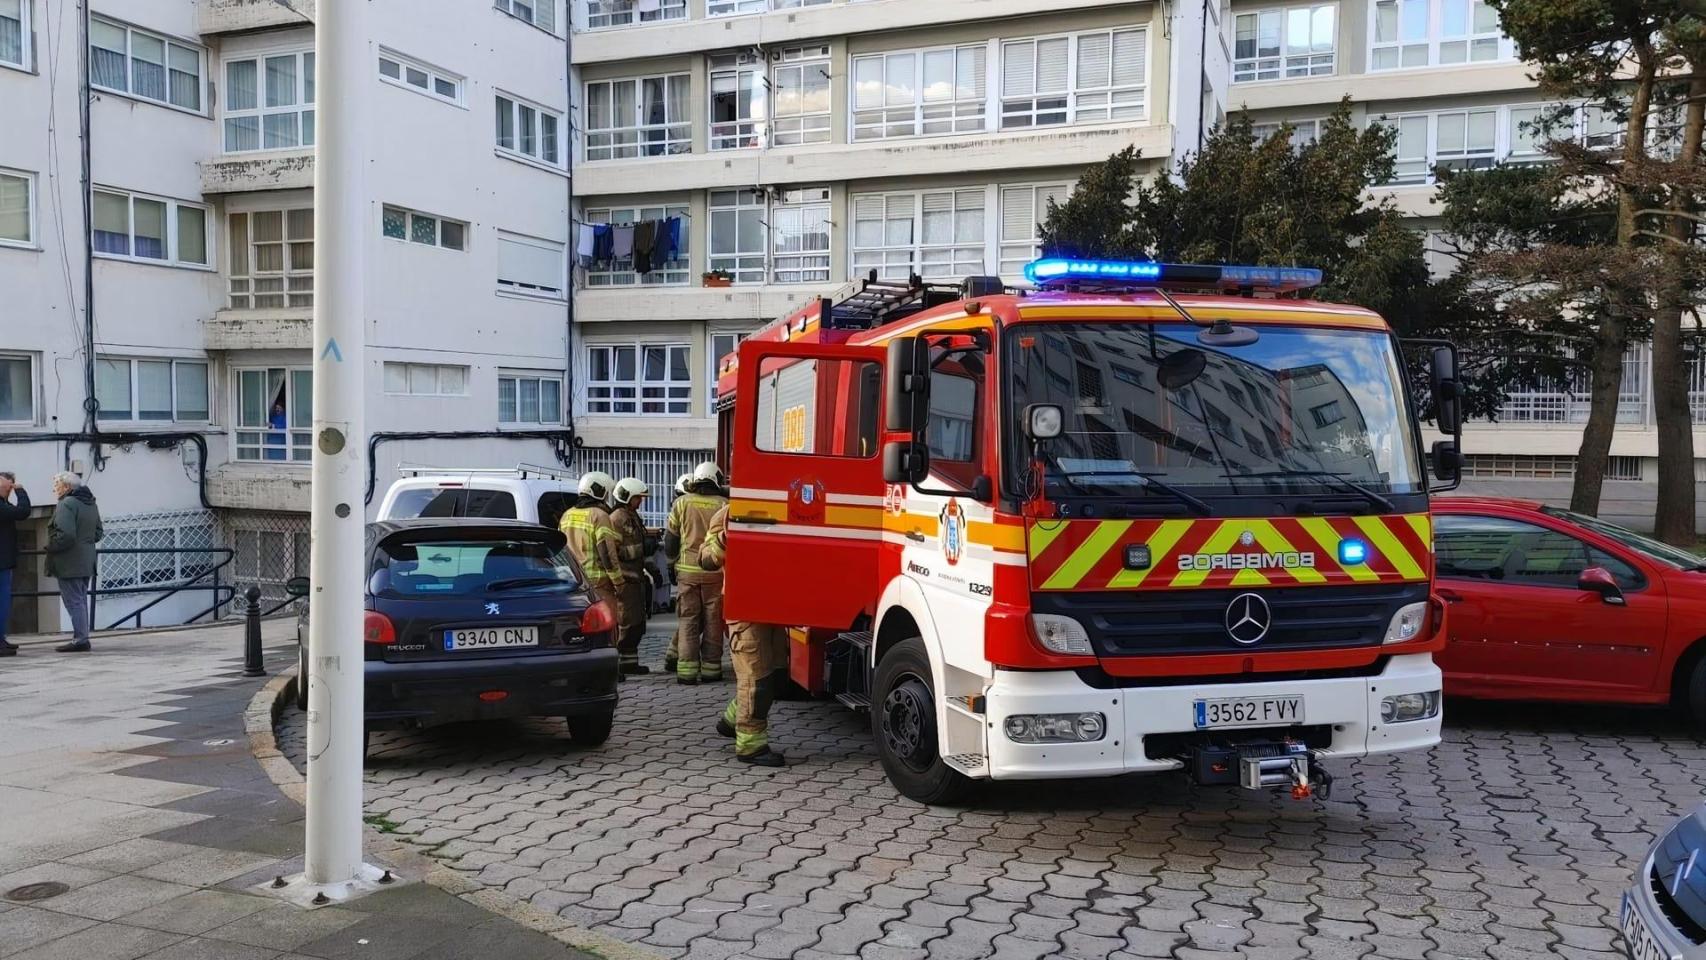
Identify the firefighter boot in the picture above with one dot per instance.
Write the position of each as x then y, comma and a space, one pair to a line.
764, 757
726, 722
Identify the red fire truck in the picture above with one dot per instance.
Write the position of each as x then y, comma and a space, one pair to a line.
1142, 517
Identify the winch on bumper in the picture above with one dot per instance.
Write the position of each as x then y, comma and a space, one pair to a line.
1045, 724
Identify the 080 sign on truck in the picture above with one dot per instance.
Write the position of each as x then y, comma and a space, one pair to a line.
1145, 517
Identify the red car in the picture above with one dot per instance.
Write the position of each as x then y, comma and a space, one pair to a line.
1545, 604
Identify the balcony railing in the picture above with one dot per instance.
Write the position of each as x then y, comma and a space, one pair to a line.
1568, 402
627, 13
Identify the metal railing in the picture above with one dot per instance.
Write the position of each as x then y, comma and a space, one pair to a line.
223, 593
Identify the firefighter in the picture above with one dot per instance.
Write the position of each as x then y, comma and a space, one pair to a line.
759, 651
593, 542
630, 493
669, 660
699, 652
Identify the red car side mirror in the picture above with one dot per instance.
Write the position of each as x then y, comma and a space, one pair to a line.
1599, 580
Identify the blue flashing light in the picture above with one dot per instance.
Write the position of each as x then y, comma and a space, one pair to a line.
1231, 276
1290, 278
1039, 271
1352, 552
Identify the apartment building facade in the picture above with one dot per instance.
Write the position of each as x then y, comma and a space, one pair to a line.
199, 259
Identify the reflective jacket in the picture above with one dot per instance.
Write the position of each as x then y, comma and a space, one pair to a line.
631, 552
716, 548
689, 521
593, 542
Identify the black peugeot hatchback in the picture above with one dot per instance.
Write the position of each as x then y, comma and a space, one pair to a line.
472, 619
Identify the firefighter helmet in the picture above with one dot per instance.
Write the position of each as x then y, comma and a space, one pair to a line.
596, 485
709, 472
630, 487
682, 481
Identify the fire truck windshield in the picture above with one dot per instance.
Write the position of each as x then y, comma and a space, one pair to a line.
1152, 413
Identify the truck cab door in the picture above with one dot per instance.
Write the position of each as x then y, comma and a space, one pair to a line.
806, 485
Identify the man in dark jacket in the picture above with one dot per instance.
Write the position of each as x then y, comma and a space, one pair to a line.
71, 539
11, 514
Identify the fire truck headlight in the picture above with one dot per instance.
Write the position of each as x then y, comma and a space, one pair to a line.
1060, 634
1410, 706
1056, 727
1407, 623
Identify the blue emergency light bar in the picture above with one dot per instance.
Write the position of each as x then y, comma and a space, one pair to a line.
1230, 276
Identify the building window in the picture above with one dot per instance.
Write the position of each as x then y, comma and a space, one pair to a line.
1303, 132
1024, 208
920, 92
529, 399
15, 33
644, 379
1423, 33
725, 8
1082, 78
144, 65
166, 534
933, 233
737, 234
540, 13
799, 87
722, 344
530, 265
799, 236
269, 102
399, 224
17, 207
641, 117
275, 414
626, 13
17, 388
151, 390
149, 229
397, 69
620, 273
1284, 42
272, 258
426, 380
528, 130
1454, 140
737, 100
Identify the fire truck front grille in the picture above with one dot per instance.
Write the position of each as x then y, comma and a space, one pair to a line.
1147, 623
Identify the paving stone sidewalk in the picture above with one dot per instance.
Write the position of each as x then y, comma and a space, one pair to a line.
134, 820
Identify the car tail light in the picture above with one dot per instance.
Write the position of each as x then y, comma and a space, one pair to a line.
599, 618
494, 696
377, 630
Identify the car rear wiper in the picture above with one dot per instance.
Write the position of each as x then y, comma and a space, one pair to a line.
1328, 477
516, 583
1197, 505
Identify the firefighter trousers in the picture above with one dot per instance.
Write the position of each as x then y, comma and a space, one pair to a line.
759, 652
699, 647
632, 618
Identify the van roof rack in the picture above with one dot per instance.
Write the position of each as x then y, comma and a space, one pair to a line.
524, 471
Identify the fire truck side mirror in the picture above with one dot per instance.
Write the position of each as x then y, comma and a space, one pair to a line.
907, 387
1447, 461
905, 461
1447, 391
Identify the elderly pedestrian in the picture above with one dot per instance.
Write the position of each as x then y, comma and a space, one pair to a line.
11, 513
71, 539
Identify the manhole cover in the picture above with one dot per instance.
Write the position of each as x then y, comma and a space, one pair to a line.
31, 892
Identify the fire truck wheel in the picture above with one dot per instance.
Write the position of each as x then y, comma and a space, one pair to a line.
903, 722
1694, 697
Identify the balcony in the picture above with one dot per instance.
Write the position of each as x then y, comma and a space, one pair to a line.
839, 162
250, 173
231, 16
286, 328
663, 303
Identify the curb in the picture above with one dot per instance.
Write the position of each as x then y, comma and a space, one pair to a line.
258, 720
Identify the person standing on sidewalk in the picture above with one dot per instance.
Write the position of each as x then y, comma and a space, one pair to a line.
631, 556
699, 652
759, 652
10, 516
71, 539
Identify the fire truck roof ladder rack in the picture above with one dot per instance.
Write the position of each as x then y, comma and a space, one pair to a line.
873, 302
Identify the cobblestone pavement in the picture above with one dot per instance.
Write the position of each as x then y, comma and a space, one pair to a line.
1514, 839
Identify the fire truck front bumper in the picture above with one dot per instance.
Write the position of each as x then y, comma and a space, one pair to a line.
1045, 724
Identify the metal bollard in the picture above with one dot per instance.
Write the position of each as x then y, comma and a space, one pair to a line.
252, 634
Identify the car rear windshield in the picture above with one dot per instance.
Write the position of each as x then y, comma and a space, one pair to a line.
460, 568
452, 502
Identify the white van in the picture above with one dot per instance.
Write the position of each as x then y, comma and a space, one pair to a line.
524, 492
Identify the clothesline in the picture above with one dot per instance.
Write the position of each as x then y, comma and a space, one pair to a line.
647, 243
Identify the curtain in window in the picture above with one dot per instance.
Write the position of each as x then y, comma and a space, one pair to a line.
550, 401
11, 31
192, 235
147, 66
153, 390
242, 93
16, 391
150, 229
14, 208
185, 77
192, 390
506, 123
112, 389
112, 223
106, 56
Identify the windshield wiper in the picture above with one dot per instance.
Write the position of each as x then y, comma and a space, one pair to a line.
1328, 477
516, 583
1197, 505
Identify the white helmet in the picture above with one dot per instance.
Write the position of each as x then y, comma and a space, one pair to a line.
682, 481
596, 485
629, 488
708, 471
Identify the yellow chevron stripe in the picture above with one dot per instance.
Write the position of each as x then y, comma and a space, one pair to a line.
1106, 534
1423, 525
1328, 540
1042, 535
1220, 542
1389, 545
1161, 543
1271, 540
1250, 578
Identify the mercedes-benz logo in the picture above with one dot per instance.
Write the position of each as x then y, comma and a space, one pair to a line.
1248, 619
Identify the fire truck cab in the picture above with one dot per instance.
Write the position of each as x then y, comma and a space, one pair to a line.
1143, 517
